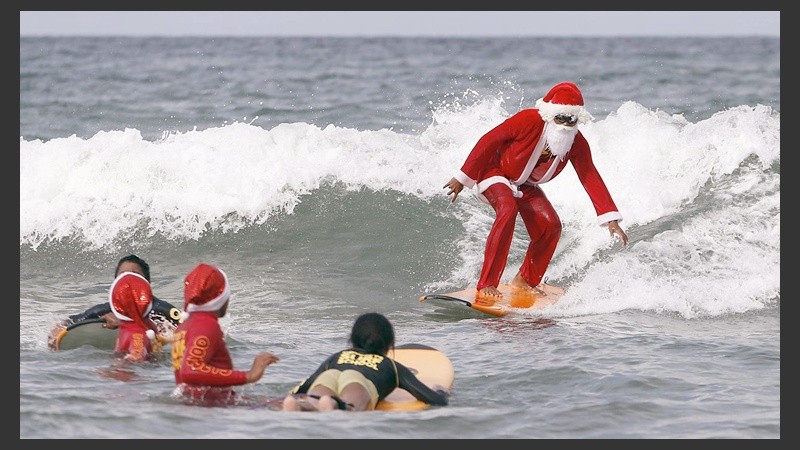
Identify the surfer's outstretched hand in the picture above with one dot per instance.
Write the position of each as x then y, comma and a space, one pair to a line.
260, 362
615, 229
455, 188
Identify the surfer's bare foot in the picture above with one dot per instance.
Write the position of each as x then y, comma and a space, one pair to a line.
490, 292
326, 403
520, 283
290, 404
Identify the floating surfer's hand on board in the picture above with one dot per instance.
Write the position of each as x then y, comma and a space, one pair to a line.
111, 321
455, 188
441, 389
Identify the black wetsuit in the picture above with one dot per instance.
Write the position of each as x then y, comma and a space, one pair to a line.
162, 311
385, 373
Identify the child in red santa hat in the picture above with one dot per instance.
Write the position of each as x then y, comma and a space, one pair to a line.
203, 366
131, 300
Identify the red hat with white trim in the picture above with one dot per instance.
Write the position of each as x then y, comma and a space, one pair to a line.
564, 98
131, 298
206, 288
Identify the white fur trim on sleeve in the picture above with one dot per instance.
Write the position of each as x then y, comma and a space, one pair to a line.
608, 217
464, 179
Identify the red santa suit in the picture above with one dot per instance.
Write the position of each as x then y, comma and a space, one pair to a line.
508, 164
200, 359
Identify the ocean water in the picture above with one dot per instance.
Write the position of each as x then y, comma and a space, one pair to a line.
311, 171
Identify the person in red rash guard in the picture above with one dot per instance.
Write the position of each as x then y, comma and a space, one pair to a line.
201, 362
131, 300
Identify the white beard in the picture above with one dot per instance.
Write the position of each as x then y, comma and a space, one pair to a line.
559, 138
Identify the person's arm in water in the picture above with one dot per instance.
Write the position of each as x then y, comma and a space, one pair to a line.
197, 365
95, 311
260, 363
103, 311
408, 381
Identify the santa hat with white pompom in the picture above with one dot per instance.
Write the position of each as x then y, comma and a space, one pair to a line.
206, 288
131, 299
563, 99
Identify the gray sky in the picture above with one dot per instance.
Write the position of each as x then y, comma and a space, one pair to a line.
400, 23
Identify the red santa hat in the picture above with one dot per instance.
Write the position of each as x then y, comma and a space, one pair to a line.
563, 98
131, 298
206, 288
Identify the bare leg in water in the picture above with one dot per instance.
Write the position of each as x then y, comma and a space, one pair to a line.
324, 403
321, 399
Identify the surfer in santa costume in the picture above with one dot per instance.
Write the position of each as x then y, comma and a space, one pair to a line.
506, 167
202, 364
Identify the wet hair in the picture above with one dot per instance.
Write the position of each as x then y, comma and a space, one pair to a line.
136, 260
373, 333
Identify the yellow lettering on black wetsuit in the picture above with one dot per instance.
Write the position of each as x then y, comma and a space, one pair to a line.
360, 359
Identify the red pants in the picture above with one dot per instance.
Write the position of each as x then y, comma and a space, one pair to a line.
541, 221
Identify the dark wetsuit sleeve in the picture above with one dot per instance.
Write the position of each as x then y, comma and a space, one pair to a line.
91, 313
160, 307
418, 389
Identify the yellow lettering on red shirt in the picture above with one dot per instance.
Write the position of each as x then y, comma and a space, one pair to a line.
137, 351
196, 358
178, 348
